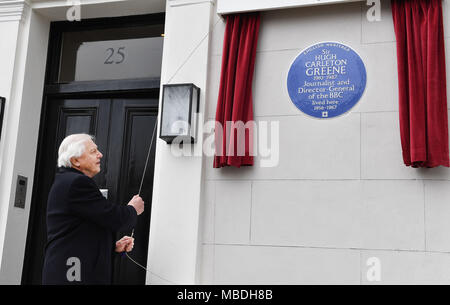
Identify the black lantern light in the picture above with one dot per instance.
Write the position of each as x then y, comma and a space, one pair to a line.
180, 105
2, 110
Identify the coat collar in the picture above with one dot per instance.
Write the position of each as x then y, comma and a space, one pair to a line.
69, 169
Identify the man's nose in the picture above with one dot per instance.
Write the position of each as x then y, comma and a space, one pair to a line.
100, 155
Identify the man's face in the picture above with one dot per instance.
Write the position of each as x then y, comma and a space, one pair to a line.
89, 162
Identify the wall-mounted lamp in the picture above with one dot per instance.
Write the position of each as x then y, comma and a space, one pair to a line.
2, 110
180, 105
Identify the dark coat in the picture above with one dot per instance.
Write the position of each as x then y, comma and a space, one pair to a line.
81, 224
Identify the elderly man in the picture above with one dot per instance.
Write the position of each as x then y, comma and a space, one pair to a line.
80, 222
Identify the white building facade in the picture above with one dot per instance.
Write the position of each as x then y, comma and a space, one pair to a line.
336, 205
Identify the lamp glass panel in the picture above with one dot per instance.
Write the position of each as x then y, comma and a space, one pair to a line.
175, 116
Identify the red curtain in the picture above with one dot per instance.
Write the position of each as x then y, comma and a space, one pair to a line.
234, 114
422, 82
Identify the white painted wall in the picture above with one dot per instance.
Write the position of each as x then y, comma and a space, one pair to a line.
29, 83
174, 232
341, 193
8, 31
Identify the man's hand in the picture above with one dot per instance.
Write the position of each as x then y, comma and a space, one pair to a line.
138, 204
126, 243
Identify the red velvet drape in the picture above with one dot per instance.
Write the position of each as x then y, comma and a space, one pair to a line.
422, 82
234, 114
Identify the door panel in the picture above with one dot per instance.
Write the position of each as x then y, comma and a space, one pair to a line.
84, 116
139, 120
121, 130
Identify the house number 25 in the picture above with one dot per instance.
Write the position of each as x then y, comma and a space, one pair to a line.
118, 59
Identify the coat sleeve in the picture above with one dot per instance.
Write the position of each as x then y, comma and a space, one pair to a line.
86, 201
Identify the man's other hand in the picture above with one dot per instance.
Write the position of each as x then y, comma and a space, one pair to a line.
126, 243
138, 204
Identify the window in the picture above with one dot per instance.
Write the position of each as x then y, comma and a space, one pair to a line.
111, 54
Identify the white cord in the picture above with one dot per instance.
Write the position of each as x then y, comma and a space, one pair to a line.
147, 269
126, 253
140, 188
146, 162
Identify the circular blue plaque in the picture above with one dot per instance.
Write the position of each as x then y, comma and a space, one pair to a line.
326, 80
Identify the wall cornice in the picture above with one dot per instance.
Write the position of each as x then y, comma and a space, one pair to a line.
13, 10
242, 6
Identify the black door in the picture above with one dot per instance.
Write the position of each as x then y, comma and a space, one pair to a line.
123, 130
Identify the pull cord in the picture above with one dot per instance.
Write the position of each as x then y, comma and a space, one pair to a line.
140, 189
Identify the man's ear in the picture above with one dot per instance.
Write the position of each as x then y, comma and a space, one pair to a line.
75, 162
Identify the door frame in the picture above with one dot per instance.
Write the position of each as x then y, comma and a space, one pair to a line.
128, 88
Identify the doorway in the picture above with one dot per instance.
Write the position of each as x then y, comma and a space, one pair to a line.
119, 110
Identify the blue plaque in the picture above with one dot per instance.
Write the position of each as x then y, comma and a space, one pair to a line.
327, 80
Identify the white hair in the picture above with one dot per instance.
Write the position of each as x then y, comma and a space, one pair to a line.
72, 146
